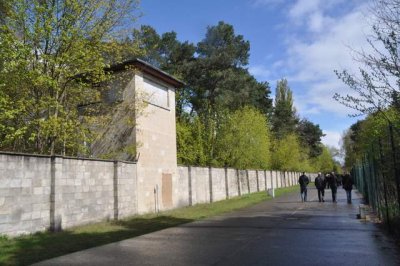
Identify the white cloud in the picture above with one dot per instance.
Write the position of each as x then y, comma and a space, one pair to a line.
260, 71
304, 7
320, 36
331, 138
311, 61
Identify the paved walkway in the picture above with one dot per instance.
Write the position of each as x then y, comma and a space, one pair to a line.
279, 232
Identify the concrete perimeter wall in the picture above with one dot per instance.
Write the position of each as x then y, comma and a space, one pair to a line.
39, 192
206, 185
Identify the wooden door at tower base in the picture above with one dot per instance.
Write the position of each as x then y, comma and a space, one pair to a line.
166, 190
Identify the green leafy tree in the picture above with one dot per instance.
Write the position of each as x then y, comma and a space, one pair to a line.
214, 70
190, 142
218, 77
284, 118
288, 154
351, 144
243, 140
51, 52
324, 162
5, 8
310, 136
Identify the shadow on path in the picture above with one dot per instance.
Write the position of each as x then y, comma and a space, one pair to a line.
283, 231
40, 246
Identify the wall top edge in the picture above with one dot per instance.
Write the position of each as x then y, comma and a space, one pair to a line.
63, 157
230, 168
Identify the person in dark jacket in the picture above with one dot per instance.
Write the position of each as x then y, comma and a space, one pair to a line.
320, 186
348, 186
333, 185
303, 181
339, 180
327, 182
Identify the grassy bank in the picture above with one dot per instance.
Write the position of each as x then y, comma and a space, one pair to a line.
29, 249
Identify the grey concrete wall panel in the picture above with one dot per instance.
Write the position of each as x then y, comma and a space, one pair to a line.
261, 180
273, 176
252, 180
233, 188
218, 184
268, 178
244, 184
200, 185
183, 192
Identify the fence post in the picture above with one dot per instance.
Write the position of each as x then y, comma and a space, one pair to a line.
364, 177
258, 182
373, 187
190, 185
272, 179
226, 183
396, 169
210, 182
115, 185
52, 193
265, 180
382, 161
248, 181
238, 182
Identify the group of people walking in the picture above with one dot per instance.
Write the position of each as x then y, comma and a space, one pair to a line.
330, 180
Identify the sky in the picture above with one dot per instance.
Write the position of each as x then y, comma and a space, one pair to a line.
303, 41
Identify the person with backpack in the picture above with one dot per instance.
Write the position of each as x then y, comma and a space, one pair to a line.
303, 181
320, 186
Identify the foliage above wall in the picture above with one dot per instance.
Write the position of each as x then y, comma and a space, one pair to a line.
51, 52
225, 117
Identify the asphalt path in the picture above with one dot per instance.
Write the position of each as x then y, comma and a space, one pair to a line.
283, 231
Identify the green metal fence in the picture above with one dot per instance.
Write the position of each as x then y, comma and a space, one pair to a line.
377, 177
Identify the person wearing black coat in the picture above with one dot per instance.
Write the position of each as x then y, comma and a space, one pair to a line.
303, 181
348, 186
333, 185
320, 186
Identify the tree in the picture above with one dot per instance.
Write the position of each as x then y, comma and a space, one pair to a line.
350, 144
214, 69
218, 78
218, 82
324, 162
377, 86
284, 118
288, 154
310, 135
5, 8
243, 140
190, 142
51, 53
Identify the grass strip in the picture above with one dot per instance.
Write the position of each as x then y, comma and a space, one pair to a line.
28, 249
